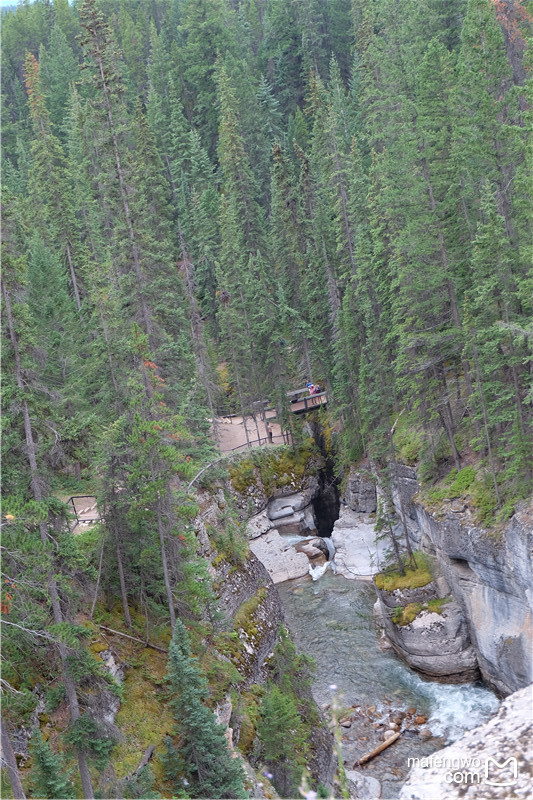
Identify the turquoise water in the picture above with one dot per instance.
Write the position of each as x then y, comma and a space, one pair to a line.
331, 619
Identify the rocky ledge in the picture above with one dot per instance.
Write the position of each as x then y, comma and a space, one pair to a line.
492, 761
436, 643
490, 575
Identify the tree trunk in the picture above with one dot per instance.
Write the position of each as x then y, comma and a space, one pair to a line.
161, 531
11, 763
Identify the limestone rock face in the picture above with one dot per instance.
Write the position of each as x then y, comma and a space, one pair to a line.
490, 576
279, 558
357, 554
509, 734
360, 493
492, 579
436, 645
293, 513
238, 586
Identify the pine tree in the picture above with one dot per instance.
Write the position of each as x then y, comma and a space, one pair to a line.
50, 175
49, 777
279, 714
204, 755
59, 69
19, 334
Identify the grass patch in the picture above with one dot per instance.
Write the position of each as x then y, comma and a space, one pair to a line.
414, 578
144, 716
405, 615
456, 484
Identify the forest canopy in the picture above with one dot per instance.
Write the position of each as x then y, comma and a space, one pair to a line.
211, 202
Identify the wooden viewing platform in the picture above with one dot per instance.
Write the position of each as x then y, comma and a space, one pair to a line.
302, 401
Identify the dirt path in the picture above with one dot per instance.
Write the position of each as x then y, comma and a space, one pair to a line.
232, 434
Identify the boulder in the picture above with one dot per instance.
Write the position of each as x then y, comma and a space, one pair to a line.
314, 547
258, 525
363, 786
280, 559
360, 494
358, 555
280, 507
436, 645
485, 751
293, 513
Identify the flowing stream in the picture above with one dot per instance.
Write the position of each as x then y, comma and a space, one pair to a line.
331, 620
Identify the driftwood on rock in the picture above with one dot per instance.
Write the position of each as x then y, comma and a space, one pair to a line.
134, 639
378, 749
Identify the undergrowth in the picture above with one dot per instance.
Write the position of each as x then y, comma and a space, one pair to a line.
269, 470
404, 615
414, 578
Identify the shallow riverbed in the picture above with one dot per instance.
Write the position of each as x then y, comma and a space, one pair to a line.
331, 620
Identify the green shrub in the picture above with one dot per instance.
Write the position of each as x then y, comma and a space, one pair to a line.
408, 446
54, 697
232, 543
405, 615
485, 501
457, 483
275, 468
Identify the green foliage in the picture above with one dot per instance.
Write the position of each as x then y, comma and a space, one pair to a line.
404, 615
54, 697
204, 757
457, 485
414, 578
85, 734
235, 198
231, 541
48, 775
485, 501
271, 470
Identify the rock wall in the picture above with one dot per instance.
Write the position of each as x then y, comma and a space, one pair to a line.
435, 644
360, 493
490, 576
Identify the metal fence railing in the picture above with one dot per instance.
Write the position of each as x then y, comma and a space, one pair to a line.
84, 512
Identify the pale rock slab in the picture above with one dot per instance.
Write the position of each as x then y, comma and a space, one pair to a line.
279, 558
258, 525
357, 554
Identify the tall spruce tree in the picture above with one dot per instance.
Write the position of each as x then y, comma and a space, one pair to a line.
204, 756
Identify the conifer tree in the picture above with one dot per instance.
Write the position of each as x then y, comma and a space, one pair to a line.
19, 335
50, 175
49, 777
204, 756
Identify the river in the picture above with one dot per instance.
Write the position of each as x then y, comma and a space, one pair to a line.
331, 620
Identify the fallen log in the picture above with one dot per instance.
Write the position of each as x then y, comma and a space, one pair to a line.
134, 639
148, 753
377, 750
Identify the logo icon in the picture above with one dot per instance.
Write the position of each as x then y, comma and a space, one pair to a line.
510, 776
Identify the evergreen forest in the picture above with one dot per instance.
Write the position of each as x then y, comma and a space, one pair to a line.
209, 203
